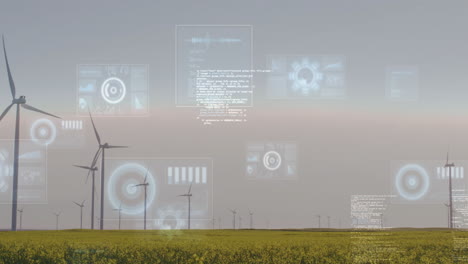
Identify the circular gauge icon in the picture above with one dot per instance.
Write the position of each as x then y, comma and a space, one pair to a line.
113, 90
122, 190
43, 132
272, 160
412, 182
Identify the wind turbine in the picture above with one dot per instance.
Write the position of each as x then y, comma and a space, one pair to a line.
81, 205
145, 186
328, 221
189, 196
91, 170
251, 219
120, 212
101, 150
234, 212
18, 101
450, 166
318, 216
57, 215
21, 218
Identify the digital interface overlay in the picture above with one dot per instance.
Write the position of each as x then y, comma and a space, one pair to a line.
271, 161
213, 71
66, 133
32, 177
426, 182
168, 178
402, 83
306, 76
113, 90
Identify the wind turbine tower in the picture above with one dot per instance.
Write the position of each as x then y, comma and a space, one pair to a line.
92, 171
145, 186
57, 215
120, 213
234, 212
189, 196
449, 167
251, 219
81, 205
448, 214
21, 218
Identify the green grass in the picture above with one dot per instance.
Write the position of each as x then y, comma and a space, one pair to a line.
235, 246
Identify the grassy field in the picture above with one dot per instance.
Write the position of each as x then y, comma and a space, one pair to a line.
235, 246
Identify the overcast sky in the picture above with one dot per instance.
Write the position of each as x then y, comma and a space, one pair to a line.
344, 147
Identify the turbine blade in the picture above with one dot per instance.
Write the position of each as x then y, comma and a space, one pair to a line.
190, 188
26, 106
10, 78
93, 164
82, 204
83, 167
76, 203
96, 156
5, 112
110, 146
95, 130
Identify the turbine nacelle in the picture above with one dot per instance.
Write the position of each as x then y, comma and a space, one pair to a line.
449, 165
109, 146
20, 100
95, 168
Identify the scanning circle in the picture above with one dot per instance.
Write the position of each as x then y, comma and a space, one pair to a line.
121, 189
43, 132
412, 182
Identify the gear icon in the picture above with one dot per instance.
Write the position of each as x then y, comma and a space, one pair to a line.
305, 76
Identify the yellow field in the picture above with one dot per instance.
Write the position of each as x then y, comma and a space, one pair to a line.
234, 246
